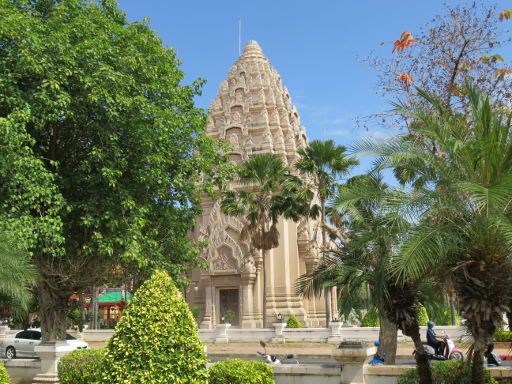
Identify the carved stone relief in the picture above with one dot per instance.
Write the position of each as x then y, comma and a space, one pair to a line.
224, 259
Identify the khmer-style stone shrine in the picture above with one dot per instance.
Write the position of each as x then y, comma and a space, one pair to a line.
254, 113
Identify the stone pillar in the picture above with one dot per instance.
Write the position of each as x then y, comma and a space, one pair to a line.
208, 318
247, 304
335, 336
222, 334
3, 332
50, 354
278, 332
315, 305
258, 290
352, 357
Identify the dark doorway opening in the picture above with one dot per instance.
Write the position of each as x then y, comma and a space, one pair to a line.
229, 306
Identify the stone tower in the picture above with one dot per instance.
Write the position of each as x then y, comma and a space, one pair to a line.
254, 113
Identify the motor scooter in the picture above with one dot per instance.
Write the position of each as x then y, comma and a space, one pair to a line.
450, 351
493, 360
273, 359
378, 358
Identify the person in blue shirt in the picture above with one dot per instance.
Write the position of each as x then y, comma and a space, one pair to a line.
432, 339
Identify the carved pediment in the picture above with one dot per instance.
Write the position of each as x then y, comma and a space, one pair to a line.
225, 250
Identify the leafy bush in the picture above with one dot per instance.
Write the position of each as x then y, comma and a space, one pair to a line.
156, 341
81, 367
443, 316
293, 322
4, 376
236, 371
446, 372
503, 336
422, 316
371, 318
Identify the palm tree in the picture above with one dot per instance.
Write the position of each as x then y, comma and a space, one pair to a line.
357, 267
269, 192
17, 277
460, 170
324, 162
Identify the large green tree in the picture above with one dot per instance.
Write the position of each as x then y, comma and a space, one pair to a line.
324, 163
102, 150
268, 193
460, 169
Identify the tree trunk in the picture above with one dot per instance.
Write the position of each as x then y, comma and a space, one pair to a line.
388, 340
422, 364
452, 311
327, 295
53, 303
327, 291
509, 320
264, 266
477, 369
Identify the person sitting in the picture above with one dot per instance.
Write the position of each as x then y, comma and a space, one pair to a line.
432, 339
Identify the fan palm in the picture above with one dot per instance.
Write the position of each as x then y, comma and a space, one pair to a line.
269, 192
460, 168
363, 262
324, 162
17, 277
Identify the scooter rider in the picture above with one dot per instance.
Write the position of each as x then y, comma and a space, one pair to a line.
432, 339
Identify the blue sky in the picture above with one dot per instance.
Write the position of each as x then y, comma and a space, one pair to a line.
316, 46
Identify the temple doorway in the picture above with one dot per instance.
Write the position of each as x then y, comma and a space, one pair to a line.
229, 306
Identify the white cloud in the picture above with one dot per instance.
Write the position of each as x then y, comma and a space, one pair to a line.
338, 132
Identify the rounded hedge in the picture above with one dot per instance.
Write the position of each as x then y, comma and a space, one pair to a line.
156, 341
236, 371
446, 372
4, 376
81, 367
293, 322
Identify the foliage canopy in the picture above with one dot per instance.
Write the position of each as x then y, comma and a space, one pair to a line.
102, 148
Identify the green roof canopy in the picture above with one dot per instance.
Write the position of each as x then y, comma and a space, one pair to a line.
114, 297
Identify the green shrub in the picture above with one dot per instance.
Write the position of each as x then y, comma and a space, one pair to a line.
4, 376
293, 322
446, 372
81, 367
156, 341
444, 317
371, 318
503, 336
236, 371
422, 316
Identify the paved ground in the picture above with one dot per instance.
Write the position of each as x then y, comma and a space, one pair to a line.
319, 353
299, 349
305, 353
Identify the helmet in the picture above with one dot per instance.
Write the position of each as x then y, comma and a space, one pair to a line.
430, 324
376, 343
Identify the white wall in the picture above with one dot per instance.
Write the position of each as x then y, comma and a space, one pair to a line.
312, 335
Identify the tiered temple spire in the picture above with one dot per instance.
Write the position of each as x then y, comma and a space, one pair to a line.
253, 110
